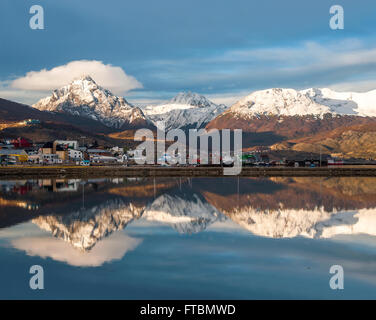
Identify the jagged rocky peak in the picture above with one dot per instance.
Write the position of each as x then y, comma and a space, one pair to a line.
84, 97
85, 77
85, 83
186, 214
192, 99
84, 228
185, 110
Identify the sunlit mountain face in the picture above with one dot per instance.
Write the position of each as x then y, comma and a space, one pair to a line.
82, 213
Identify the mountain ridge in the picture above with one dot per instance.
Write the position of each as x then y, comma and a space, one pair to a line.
186, 110
312, 101
85, 98
283, 115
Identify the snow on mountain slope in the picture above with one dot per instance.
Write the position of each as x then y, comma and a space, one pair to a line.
318, 223
186, 215
350, 103
192, 214
186, 110
83, 97
290, 102
84, 228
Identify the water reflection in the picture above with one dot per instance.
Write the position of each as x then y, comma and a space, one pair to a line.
209, 238
84, 213
110, 249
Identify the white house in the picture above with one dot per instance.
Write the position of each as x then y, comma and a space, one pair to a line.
117, 149
123, 158
51, 158
35, 158
75, 154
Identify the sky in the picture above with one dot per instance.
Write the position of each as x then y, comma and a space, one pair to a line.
148, 51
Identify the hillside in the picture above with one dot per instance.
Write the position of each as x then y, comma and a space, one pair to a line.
291, 120
357, 141
52, 126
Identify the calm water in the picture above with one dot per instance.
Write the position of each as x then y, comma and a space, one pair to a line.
171, 238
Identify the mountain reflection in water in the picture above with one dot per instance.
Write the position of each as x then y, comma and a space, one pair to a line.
84, 212
172, 238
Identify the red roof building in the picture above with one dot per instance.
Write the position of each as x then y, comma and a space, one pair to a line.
21, 143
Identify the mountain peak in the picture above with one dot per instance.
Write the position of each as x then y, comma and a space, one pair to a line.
313, 101
192, 99
84, 83
186, 110
83, 97
84, 77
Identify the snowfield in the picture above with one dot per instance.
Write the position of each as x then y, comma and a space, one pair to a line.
290, 102
186, 110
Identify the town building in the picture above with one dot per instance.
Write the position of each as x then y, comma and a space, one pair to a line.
67, 144
47, 148
30, 122
101, 152
103, 159
62, 154
51, 159
75, 154
18, 154
20, 143
35, 158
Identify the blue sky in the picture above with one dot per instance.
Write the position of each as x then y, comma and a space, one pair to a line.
223, 49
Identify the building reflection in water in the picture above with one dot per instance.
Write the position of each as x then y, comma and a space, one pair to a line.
85, 212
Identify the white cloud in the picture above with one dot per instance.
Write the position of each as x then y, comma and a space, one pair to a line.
21, 96
306, 55
106, 250
227, 99
305, 64
342, 65
106, 75
357, 86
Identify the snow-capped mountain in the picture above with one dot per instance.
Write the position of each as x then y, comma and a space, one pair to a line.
187, 110
278, 115
185, 213
290, 102
348, 103
318, 223
84, 97
291, 210
84, 228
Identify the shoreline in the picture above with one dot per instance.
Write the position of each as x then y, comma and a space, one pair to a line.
7, 173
